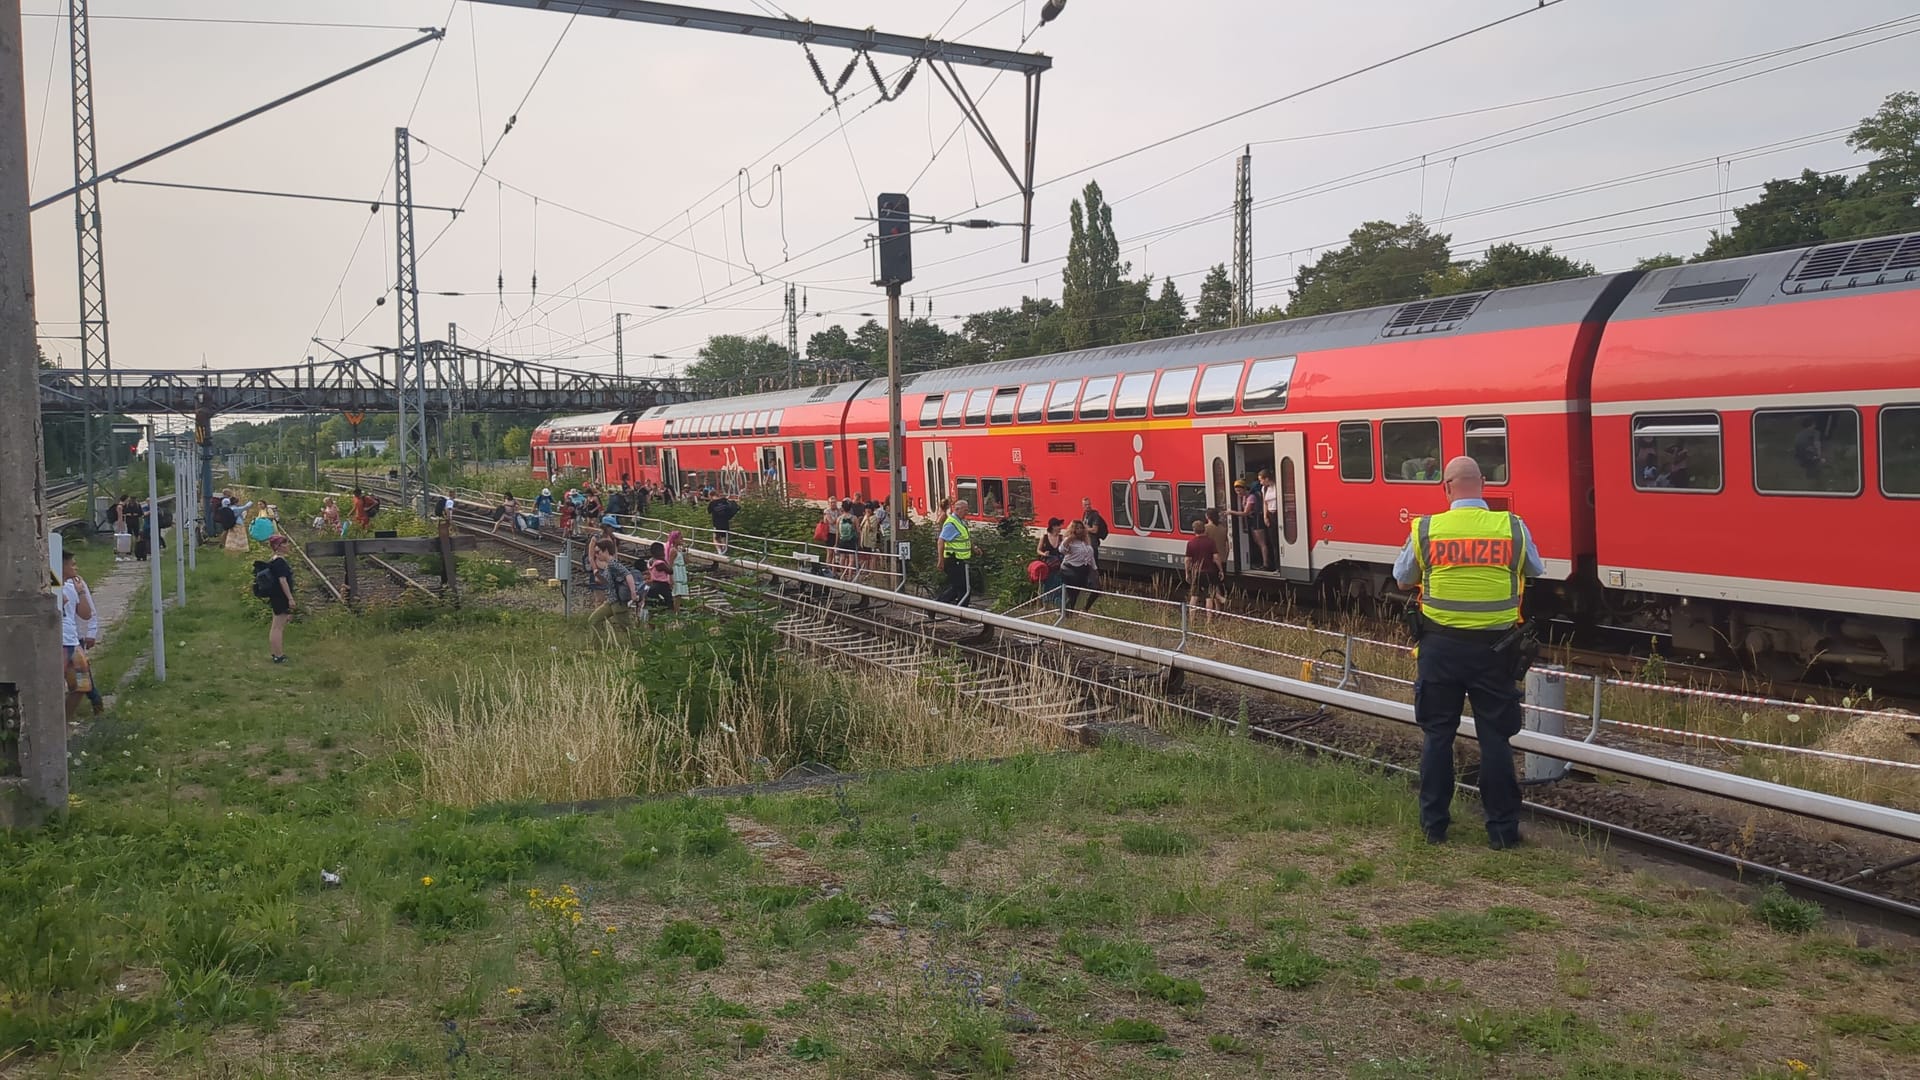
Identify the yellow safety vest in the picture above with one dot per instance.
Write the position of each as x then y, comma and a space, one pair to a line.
960, 547
1471, 567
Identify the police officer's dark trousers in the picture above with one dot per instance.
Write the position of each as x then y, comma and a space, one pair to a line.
1455, 666
956, 588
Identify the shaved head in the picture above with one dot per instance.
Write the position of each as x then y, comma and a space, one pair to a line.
1463, 479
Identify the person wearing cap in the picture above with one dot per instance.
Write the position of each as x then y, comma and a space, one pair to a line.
543, 506
280, 600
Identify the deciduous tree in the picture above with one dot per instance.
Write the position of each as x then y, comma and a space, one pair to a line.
1382, 263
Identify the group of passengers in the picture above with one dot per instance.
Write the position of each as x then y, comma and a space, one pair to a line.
856, 535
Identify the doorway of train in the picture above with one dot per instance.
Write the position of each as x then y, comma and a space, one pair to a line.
933, 456
1279, 459
670, 469
598, 470
773, 469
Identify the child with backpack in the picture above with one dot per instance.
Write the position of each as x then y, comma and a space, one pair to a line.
621, 590
273, 582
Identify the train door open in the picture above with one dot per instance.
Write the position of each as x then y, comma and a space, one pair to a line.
773, 468
934, 457
597, 469
1240, 457
550, 472
670, 468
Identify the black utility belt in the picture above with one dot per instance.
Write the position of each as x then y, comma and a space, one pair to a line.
1487, 637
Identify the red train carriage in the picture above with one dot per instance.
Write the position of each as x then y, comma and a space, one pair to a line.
1784, 387
1756, 426
1352, 415
595, 445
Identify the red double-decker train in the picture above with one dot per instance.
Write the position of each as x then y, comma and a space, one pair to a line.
1730, 449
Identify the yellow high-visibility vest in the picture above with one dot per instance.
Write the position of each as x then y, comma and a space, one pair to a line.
961, 546
1471, 567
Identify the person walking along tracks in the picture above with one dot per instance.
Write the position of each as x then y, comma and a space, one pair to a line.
273, 582
1471, 564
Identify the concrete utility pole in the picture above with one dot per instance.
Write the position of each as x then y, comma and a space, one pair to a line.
793, 339
1243, 238
156, 592
92, 261
33, 722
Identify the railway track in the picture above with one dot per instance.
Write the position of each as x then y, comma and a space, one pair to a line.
1008, 672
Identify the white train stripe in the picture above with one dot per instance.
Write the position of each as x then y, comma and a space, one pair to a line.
1748, 402
1893, 603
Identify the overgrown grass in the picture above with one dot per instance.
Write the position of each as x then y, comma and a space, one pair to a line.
253, 882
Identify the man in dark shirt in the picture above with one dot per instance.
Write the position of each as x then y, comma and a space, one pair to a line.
1096, 526
1204, 579
721, 509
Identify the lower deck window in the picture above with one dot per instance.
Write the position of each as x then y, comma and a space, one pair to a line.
1487, 445
1806, 452
1410, 451
993, 498
1900, 451
1677, 452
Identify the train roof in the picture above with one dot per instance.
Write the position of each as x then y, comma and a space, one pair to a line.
772, 399
599, 419
1851, 268
1558, 303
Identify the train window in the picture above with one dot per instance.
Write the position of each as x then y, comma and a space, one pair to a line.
826, 454
1130, 402
1677, 452
1487, 444
1356, 450
1409, 451
882, 455
1193, 507
773, 425
930, 410
1020, 498
1217, 387
1170, 397
809, 455
1095, 398
793, 456
993, 497
1806, 452
667, 429
1156, 505
1267, 385
977, 407
1060, 401
1121, 504
1900, 451
760, 422
968, 489
1003, 404
950, 412
1033, 402
860, 455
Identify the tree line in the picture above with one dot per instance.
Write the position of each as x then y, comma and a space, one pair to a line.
1382, 262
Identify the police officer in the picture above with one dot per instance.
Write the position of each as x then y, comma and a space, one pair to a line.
1470, 563
956, 550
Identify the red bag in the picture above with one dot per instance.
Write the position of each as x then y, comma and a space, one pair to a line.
1038, 571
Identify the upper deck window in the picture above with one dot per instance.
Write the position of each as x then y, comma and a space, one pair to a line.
1033, 402
1060, 401
1267, 385
1170, 397
1096, 397
1217, 387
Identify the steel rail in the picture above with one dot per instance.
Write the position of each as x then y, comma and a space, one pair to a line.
1884, 820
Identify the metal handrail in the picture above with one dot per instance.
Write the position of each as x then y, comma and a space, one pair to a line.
1884, 820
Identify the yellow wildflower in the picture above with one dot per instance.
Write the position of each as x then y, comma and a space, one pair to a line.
596, 952
613, 929
1798, 1067
427, 881
513, 991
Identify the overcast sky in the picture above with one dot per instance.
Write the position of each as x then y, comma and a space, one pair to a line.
637, 131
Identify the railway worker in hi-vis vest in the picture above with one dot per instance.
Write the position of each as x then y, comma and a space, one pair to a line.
1471, 564
956, 549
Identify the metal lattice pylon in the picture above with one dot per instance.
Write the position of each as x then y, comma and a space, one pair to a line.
1243, 238
94, 355
410, 369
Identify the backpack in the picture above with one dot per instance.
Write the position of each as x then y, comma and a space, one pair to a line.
263, 582
620, 581
848, 533
261, 528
